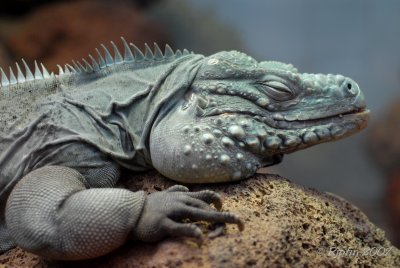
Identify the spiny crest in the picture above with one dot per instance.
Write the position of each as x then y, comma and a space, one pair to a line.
38, 74
132, 54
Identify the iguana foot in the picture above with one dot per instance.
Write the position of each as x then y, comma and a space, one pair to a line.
164, 211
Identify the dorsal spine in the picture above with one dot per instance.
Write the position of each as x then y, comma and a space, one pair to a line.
92, 66
21, 78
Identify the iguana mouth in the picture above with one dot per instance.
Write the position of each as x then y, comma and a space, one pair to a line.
359, 116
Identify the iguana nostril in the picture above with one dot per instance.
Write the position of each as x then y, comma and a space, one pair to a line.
349, 86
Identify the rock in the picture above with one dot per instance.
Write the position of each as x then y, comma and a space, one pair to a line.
74, 28
20, 258
285, 225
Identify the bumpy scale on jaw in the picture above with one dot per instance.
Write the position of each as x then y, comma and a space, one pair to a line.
217, 152
240, 115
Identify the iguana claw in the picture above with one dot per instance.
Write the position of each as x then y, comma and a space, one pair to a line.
164, 211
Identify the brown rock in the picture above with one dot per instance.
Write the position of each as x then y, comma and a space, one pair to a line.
58, 33
286, 225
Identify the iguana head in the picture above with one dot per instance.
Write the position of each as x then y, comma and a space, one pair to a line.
240, 114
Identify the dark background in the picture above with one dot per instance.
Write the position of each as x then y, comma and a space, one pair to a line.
359, 39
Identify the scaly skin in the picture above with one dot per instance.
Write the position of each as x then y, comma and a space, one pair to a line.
65, 138
240, 115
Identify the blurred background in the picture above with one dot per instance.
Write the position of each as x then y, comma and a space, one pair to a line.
359, 39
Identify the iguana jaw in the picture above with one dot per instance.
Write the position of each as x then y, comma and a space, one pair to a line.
329, 129
288, 136
359, 116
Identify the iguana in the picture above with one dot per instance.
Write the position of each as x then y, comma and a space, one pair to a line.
64, 139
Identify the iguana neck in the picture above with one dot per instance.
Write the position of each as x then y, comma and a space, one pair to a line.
134, 100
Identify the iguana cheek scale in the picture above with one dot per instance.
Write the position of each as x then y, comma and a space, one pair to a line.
65, 137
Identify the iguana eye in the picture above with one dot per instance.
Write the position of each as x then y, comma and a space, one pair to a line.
276, 90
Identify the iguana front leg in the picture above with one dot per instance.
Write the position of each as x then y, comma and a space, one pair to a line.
51, 212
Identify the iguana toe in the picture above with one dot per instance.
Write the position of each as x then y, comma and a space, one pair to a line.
177, 188
177, 229
197, 214
209, 197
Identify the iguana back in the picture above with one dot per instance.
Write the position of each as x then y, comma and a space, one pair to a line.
89, 103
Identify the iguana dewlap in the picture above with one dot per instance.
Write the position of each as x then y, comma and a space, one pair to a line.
64, 139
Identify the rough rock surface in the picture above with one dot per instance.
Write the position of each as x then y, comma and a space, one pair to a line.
285, 225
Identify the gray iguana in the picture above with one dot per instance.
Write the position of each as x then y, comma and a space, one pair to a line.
64, 139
